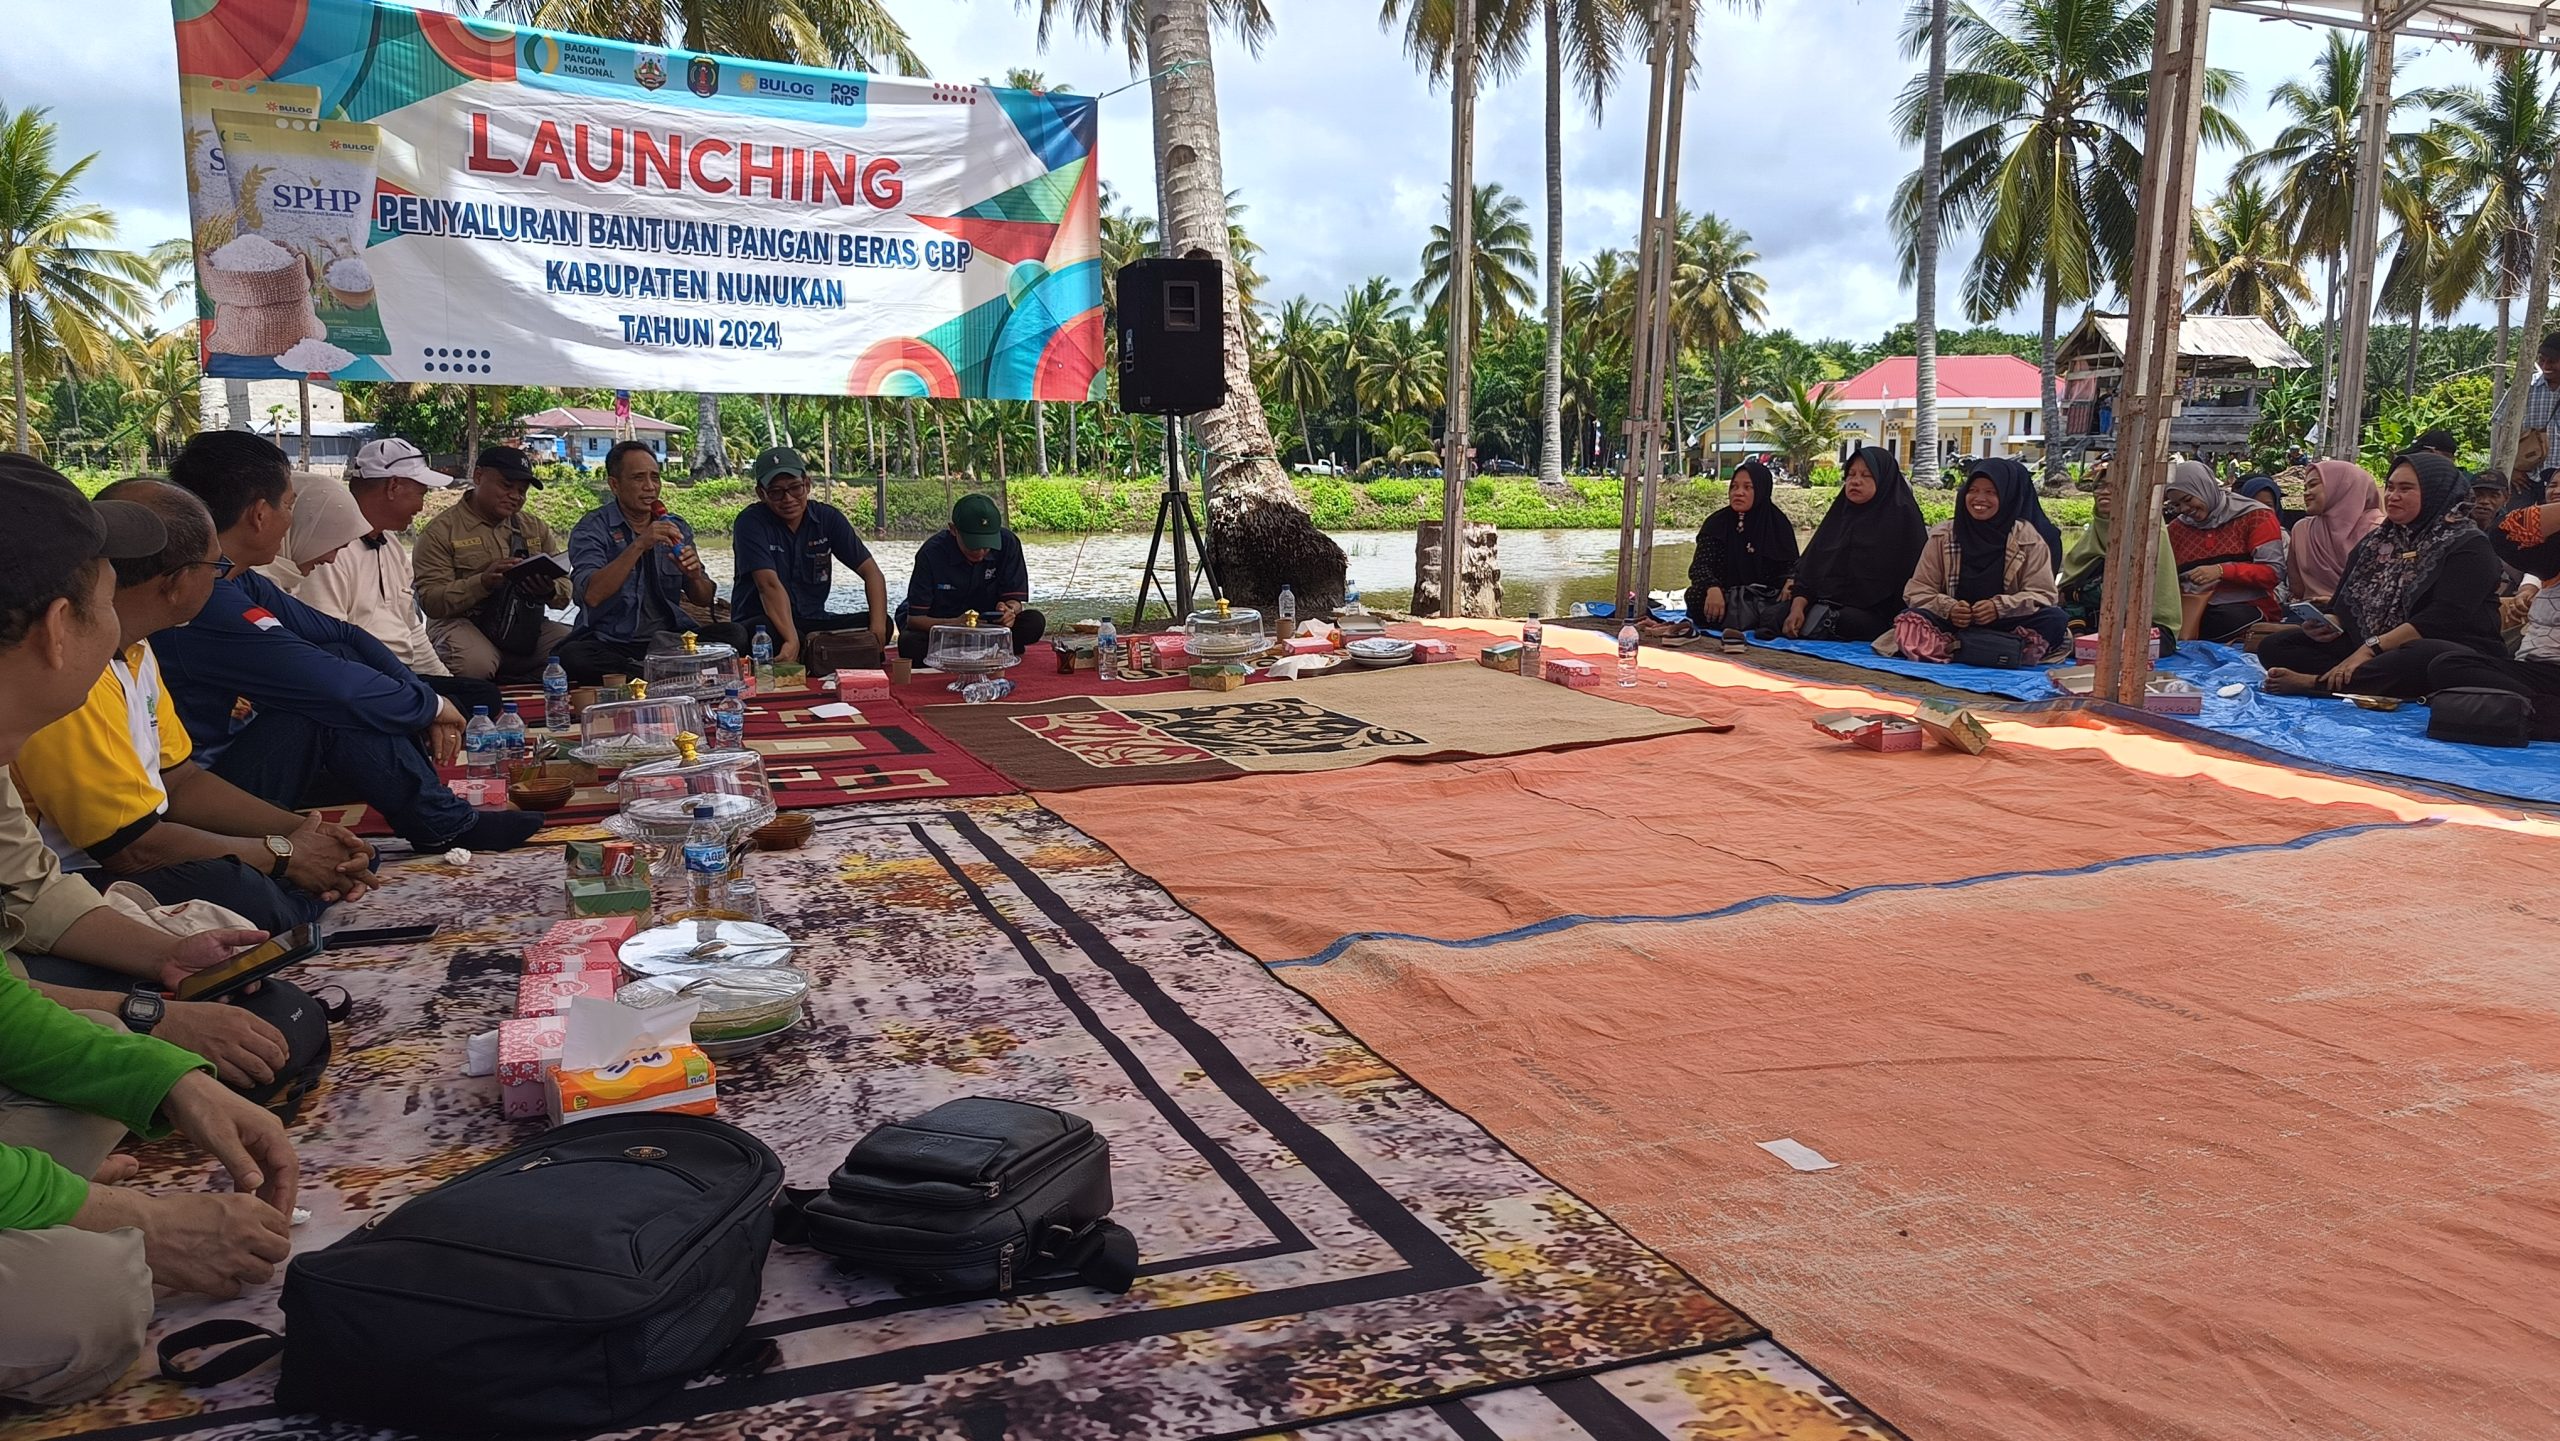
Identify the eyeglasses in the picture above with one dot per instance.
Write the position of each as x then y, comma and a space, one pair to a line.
787, 492
221, 568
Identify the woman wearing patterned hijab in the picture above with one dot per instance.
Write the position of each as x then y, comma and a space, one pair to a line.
2230, 554
2423, 585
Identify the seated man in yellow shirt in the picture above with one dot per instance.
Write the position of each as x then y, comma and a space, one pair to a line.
112, 786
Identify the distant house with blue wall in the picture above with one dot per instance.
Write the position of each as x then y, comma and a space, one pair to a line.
575, 435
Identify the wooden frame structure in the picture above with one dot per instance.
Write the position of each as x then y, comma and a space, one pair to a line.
1653, 356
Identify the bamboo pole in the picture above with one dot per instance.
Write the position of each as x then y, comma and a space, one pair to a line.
1639, 440
2510, 428
2148, 398
1666, 362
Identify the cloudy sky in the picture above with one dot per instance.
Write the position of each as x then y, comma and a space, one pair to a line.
1335, 140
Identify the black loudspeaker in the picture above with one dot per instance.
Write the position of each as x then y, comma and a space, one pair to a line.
1173, 329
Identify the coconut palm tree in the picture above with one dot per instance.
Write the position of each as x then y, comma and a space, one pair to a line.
1259, 532
842, 34
1366, 311
2498, 142
2054, 91
1503, 269
70, 296
1715, 296
2316, 159
1928, 223
167, 394
1403, 439
1300, 364
2244, 260
1806, 427
2426, 208
1405, 369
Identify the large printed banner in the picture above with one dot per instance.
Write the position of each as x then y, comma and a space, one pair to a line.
383, 193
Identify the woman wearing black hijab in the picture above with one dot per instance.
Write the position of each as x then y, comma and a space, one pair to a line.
1990, 567
1849, 584
2422, 586
1746, 555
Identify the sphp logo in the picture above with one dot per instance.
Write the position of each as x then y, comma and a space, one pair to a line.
702, 76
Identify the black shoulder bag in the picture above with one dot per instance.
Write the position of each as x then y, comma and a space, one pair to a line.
511, 619
977, 1194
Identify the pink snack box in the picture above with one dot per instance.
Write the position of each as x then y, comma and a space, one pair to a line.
528, 1051
1891, 734
1173, 650
1310, 645
862, 685
549, 994
1428, 650
579, 930
1573, 671
2085, 648
547, 957
2167, 695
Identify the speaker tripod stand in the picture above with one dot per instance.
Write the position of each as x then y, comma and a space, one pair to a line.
1174, 521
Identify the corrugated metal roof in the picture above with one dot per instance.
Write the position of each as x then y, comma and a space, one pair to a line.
2218, 337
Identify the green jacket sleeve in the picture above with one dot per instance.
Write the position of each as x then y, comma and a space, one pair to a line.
53, 1055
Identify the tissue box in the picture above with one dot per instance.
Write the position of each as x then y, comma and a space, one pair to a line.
607, 896
1955, 729
1503, 655
1310, 645
2085, 648
678, 1078
1566, 670
1217, 677
615, 860
855, 686
1428, 650
528, 1052
541, 993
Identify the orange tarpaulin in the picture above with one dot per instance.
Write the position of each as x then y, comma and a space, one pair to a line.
2248, 1145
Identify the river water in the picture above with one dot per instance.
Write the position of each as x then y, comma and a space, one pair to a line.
1082, 576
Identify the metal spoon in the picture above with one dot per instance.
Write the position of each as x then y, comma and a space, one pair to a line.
713, 948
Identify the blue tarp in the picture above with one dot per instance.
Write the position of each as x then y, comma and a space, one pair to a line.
2328, 734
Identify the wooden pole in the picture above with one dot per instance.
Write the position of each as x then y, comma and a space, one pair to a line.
1639, 439
1666, 363
1462, 228
2345, 437
2148, 399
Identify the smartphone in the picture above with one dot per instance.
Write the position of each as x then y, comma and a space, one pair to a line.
259, 961
2314, 624
382, 936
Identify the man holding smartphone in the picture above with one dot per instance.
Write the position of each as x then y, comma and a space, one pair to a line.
81, 1252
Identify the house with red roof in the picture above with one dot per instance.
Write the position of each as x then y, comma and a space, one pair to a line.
1987, 405
582, 435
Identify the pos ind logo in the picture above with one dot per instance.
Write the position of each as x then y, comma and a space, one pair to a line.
702, 76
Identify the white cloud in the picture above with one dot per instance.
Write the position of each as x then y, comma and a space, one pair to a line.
1334, 138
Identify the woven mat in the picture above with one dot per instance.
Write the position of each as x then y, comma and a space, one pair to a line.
1446, 711
1321, 1237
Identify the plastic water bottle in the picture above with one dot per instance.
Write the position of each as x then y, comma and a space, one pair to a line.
1532, 636
1107, 660
706, 859
1627, 654
480, 744
986, 688
1288, 612
1351, 601
512, 746
555, 699
764, 659
729, 723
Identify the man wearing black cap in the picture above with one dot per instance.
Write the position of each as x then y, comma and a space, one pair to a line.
484, 604
787, 546
80, 1252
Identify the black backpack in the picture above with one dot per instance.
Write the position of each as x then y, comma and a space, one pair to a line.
975, 1195
565, 1286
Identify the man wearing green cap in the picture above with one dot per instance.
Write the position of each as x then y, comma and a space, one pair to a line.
787, 546
976, 565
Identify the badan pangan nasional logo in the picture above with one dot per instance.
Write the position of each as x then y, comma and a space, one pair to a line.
651, 72
702, 76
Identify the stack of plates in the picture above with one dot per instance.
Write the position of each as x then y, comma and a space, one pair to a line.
741, 1009
1378, 652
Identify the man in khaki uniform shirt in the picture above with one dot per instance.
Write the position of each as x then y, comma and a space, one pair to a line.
462, 558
